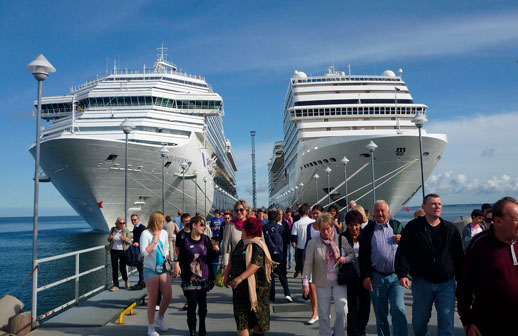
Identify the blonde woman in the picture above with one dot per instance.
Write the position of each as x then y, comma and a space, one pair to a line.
154, 246
361, 210
120, 239
232, 231
322, 260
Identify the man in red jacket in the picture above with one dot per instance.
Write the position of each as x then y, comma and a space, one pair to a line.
487, 294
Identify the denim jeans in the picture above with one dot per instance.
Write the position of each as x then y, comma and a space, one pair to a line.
424, 295
387, 289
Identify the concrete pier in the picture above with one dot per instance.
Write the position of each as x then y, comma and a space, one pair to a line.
98, 315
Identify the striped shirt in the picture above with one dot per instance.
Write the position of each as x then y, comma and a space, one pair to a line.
383, 248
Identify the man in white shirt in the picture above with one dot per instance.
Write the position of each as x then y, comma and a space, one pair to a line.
298, 237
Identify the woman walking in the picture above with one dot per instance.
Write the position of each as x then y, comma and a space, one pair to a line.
322, 260
232, 232
195, 257
358, 297
120, 239
249, 274
154, 246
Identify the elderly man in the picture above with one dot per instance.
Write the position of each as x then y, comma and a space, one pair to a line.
378, 245
487, 293
431, 252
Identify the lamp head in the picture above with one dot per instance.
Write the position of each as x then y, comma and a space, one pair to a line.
184, 165
419, 120
371, 146
204, 180
40, 68
344, 160
316, 176
163, 151
328, 170
127, 126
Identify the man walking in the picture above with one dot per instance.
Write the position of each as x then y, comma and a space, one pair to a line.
274, 239
298, 237
487, 293
378, 245
138, 228
430, 251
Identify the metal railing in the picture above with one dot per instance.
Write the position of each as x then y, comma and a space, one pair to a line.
77, 275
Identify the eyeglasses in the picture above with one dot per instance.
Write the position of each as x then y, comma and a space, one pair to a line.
201, 224
122, 222
240, 210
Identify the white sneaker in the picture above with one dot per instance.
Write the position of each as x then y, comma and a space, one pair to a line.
151, 331
159, 322
288, 298
312, 321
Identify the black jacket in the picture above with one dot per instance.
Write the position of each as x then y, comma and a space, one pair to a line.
366, 246
416, 256
137, 231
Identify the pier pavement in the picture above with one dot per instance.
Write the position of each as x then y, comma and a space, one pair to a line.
98, 315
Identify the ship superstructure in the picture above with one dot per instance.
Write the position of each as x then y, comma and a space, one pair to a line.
336, 115
83, 149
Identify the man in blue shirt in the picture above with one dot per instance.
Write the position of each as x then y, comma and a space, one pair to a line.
215, 223
378, 245
178, 220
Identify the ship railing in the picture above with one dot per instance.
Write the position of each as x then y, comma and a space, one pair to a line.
144, 71
76, 277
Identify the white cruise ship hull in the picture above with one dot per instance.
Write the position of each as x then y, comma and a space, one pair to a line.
94, 187
396, 167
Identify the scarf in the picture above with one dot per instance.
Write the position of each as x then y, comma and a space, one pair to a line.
238, 223
269, 264
332, 253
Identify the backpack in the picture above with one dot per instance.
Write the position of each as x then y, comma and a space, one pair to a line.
273, 239
133, 256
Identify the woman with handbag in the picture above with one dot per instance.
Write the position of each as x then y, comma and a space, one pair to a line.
195, 256
322, 260
154, 246
120, 239
358, 297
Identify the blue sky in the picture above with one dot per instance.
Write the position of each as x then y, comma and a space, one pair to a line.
459, 58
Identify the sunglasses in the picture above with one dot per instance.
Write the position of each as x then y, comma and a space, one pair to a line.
134, 219
122, 222
201, 224
240, 210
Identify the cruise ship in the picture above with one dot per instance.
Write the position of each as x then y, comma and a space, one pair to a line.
336, 115
83, 145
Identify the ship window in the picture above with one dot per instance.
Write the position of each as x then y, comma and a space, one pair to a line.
326, 161
332, 159
314, 163
111, 157
311, 164
319, 161
377, 110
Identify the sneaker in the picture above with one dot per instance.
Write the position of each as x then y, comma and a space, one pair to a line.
151, 331
157, 307
114, 289
159, 322
288, 298
312, 320
137, 287
296, 274
127, 284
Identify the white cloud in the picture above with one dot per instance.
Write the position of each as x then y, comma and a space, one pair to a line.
464, 174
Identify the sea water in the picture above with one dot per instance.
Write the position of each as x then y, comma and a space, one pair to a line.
58, 235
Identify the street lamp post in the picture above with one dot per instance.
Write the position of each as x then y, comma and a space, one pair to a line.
328, 171
371, 146
205, 183
195, 192
127, 126
419, 121
40, 68
163, 154
344, 162
184, 166
316, 186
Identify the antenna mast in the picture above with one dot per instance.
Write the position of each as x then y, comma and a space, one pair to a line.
254, 191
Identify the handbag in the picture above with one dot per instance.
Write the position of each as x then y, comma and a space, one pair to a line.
347, 272
220, 277
133, 256
167, 265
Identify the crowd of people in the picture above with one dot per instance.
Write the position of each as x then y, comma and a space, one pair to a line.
347, 260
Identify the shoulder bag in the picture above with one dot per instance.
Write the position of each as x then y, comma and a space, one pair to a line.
167, 265
347, 272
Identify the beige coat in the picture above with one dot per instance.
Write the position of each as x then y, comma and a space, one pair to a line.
231, 236
315, 263
125, 233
